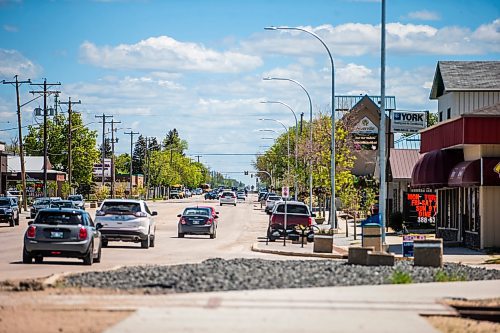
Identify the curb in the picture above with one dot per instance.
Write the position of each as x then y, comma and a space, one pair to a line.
52, 280
255, 248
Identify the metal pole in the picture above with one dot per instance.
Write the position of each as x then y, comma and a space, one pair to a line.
21, 149
382, 147
70, 113
45, 138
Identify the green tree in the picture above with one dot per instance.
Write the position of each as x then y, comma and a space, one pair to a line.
122, 164
173, 141
139, 155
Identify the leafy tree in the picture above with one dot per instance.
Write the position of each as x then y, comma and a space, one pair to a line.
173, 141
139, 155
122, 164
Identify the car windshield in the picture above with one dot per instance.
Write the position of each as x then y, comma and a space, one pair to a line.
227, 194
4, 202
41, 202
120, 207
58, 218
273, 198
75, 198
63, 204
293, 209
197, 211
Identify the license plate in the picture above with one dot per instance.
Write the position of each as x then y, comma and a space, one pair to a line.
56, 234
196, 222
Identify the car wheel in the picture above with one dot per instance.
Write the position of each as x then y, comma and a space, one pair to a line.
17, 220
98, 258
104, 243
213, 234
152, 241
180, 235
234, 205
221, 204
89, 257
12, 222
145, 243
38, 259
27, 259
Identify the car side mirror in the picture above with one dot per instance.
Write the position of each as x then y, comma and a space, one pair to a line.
98, 226
313, 214
216, 216
217, 213
28, 218
269, 213
179, 215
154, 213
30, 222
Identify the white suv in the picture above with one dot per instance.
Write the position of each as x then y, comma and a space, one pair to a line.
227, 198
126, 220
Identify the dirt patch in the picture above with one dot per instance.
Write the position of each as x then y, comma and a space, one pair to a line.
24, 318
461, 325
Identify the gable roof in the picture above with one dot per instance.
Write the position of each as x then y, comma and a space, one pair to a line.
465, 76
31, 163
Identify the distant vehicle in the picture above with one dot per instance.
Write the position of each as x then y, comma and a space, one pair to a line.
187, 193
177, 192
227, 198
271, 200
9, 211
63, 204
65, 233
39, 203
205, 188
17, 194
297, 213
212, 195
197, 191
199, 220
241, 195
127, 220
78, 200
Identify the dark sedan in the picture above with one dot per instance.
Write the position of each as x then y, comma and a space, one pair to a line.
62, 232
200, 220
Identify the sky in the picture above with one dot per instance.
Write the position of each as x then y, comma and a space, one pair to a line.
197, 66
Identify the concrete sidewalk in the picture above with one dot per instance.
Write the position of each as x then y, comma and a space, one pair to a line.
383, 308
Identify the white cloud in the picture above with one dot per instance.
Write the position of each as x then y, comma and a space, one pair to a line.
167, 54
10, 28
13, 63
424, 15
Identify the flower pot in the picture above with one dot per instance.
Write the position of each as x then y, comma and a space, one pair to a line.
323, 243
319, 220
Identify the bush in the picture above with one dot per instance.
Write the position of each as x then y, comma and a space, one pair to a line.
396, 221
399, 277
442, 276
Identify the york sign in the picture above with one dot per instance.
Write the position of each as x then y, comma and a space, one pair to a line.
409, 121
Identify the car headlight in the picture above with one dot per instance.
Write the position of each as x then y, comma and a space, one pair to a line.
8, 211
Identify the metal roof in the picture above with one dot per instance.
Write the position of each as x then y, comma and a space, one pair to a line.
465, 76
31, 164
402, 162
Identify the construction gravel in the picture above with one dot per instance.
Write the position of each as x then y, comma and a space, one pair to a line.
246, 274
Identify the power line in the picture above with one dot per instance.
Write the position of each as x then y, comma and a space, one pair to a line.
70, 113
131, 133
103, 148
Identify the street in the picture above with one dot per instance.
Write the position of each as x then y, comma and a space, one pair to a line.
238, 228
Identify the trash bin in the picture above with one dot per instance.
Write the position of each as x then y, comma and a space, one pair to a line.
372, 233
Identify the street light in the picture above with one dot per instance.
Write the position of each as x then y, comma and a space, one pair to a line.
310, 130
288, 141
296, 139
332, 158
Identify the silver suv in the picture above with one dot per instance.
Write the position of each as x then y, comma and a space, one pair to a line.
126, 220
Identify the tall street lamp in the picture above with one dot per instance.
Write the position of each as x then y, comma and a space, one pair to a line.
296, 140
332, 158
310, 130
288, 141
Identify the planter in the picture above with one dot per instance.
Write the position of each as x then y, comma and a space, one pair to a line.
93, 205
319, 220
323, 243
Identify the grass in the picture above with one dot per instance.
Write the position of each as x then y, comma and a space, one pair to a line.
493, 261
399, 277
442, 276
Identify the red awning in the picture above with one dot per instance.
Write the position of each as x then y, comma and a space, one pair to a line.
467, 173
433, 168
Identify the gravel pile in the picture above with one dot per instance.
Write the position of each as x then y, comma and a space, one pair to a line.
246, 274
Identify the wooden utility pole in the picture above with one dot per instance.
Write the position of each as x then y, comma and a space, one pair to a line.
113, 141
103, 148
131, 133
45, 92
70, 133
21, 149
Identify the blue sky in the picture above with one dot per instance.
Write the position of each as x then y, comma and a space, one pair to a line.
198, 65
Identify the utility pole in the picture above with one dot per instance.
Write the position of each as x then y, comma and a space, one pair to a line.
198, 157
103, 150
45, 92
301, 121
148, 145
131, 133
21, 149
113, 141
70, 133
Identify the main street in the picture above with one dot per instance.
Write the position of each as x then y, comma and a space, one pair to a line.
238, 228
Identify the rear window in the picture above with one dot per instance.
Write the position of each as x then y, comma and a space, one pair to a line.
4, 202
58, 218
75, 198
120, 207
41, 202
197, 211
227, 194
274, 198
293, 209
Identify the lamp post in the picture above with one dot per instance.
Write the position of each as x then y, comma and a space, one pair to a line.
288, 140
310, 129
296, 140
332, 158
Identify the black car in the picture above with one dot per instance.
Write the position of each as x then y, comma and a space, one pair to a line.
212, 195
39, 203
199, 220
9, 211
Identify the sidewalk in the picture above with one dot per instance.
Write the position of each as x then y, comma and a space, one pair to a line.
342, 243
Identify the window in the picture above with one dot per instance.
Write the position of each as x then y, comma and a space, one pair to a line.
58, 218
440, 115
197, 211
121, 207
293, 209
448, 113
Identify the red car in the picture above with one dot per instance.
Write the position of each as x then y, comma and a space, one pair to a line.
199, 220
297, 214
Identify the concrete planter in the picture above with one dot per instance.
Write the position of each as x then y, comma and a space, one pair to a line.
319, 220
323, 243
93, 205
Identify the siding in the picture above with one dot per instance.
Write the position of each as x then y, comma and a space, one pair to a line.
490, 212
462, 102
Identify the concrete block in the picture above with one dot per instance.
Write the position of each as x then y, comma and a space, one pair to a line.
428, 252
359, 255
323, 244
372, 236
380, 259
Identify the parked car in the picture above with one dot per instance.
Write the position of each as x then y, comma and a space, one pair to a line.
9, 211
270, 201
68, 233
199, 220
78, 200
187, 193
227, 198
17, 194
63, 204
241, 195
126, 220
297, 214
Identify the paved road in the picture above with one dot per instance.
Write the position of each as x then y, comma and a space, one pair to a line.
238, 228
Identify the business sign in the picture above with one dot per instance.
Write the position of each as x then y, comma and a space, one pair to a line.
365, 141
408, 244
409, 121
419, 207
365, 126
285, 191
97, 168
